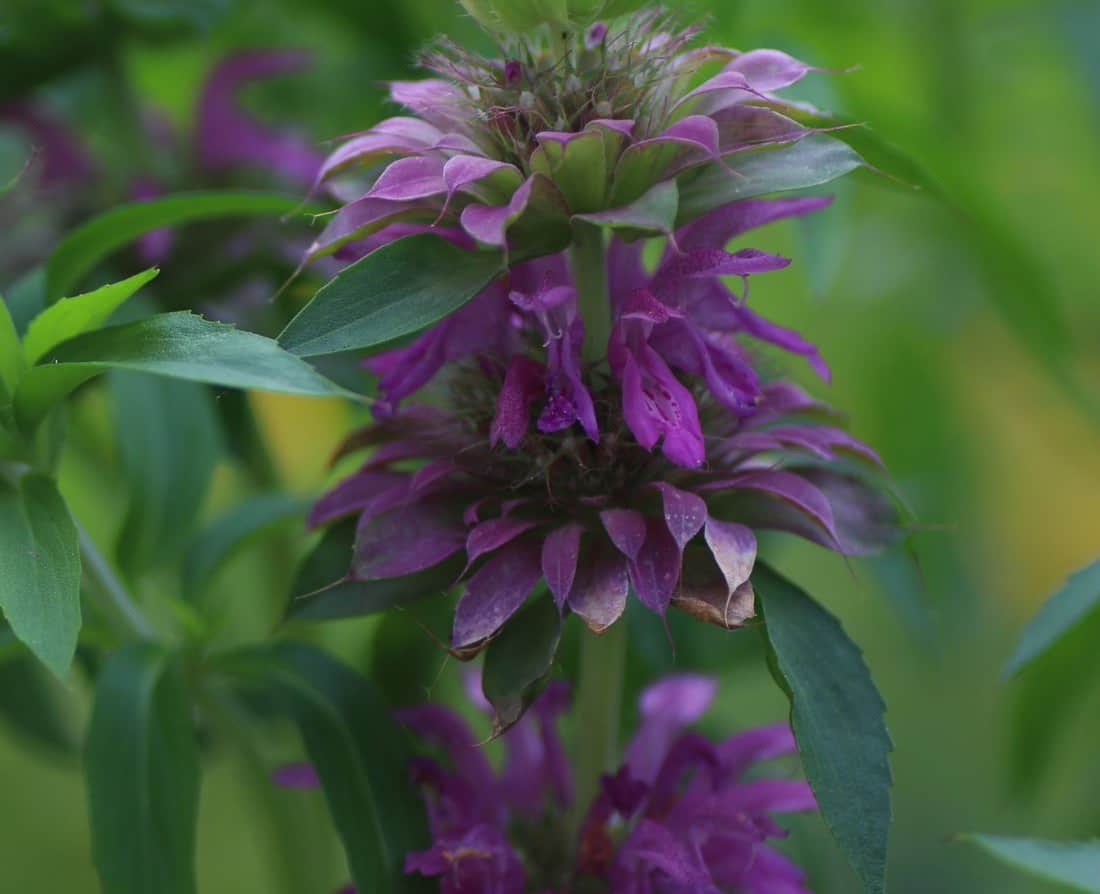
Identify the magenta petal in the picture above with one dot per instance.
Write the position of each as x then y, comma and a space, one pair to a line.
296, 776
790, 488
773, 796
666, 707
768, 70
560, 551
716, 262
734, 549
228, 137
364, 216
366, 148
355, 494
600, 588
495, 592
740, 752
405, 540
716, 228
755, 325
493, 534
418, 177
524, 382
627, 530
445, 728
656, 571
685, 513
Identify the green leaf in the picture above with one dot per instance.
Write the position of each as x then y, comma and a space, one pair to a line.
70, 317
323, 591
228, 533
519, 660
179, 345
169, 440
879, 154
359, 753
1067, 608
397, 290
11, 357
83, 248
161, 15
811, 161
1075, 864
141, 763
837, 716
34, 705
654, 214
40, 570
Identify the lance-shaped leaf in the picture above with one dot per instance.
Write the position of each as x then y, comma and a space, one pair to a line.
83, 248
141, 764
359, 754
1075, 864
654, 214
397, 290
179, 345
40, 569
811, 161
1066, 609
11, 357
519, 660
837, 716
74, 316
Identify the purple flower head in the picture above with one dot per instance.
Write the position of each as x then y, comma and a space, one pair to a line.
508, 151
680, 814
494, 489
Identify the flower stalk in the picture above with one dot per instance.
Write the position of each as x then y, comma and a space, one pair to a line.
599, 706
589, 261
114, 597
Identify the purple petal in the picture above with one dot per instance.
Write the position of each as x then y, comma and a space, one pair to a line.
355, 494
296, 776
493, 534
462, 171
734, 549
370, 147
418, 177
600, 588
651, 852
443, 727
435, 100
560, 552
226, 137
405, 540
495, 592
365, 216
685, 513
63, 158
725, 89
666, 707
773, 796
755, 325
627, 530
524, 383
745, 127
656, 571
716, 228
768, 70
716, 262
740, 752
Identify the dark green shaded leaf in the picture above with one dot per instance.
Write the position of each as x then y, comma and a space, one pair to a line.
247, 520
11, 357
654, 214
323, 591
1073, 863
142, 767
33, 705
40, 569
169, 441
158, 15
811, 161
179, 345
518, 661
74, 316
360, 755
837, 716
83, 248
1067, 608
397, 290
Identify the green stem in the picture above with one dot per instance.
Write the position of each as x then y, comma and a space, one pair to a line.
589, 257
599, 705
116, 599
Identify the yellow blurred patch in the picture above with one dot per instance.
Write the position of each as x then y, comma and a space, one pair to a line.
1039, 477
301, 433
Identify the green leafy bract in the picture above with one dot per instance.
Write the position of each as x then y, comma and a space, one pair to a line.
395, 291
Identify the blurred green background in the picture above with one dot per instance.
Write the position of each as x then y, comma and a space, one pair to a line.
964, 336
